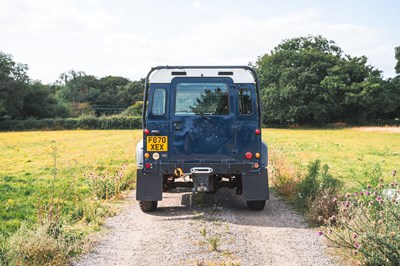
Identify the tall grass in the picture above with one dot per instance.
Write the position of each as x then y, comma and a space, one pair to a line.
54, 237
362, 224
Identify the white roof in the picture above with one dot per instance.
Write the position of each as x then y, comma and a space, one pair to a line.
165, 75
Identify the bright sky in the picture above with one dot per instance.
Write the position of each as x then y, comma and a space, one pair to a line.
128, 37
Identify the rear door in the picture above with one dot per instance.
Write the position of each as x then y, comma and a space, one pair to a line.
202, 118
157, 121
247, 122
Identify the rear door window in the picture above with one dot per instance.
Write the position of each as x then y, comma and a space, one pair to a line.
201, 99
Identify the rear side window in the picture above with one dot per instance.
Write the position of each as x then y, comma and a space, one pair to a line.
245, 105
158, 102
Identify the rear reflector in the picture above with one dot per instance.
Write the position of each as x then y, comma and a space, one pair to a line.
148, 165
146, 131
258, 132
256, 165
248, 155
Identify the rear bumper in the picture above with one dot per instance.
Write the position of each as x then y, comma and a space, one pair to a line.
254, 182
218, 168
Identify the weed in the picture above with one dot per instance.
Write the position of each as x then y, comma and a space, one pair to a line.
199, 198
108, 185
214, 242
212, 263
203, 232
284, 179
367, 224
198, 215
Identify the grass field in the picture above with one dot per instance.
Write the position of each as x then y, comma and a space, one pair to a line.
26, 160
352, 155
26, 166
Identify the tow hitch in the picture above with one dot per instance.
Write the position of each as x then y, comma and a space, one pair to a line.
201, 178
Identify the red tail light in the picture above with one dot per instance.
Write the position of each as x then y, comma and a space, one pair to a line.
248, 155
256, 165
148, 165
146, 131
258, 132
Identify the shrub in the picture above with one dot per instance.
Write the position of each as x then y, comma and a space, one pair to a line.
367, 224
108, 185
83, 122
134, 110
316, 182
39, 247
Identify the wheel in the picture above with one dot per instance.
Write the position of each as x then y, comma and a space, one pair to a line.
256, 205
148, 206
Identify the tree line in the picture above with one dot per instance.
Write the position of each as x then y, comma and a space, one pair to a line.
74, 94
305, 80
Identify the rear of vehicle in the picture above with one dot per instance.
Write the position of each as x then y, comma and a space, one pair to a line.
202, 130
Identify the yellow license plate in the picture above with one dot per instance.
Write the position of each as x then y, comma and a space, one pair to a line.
157, 143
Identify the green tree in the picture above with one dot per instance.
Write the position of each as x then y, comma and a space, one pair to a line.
13, 85
308, 80
39, 102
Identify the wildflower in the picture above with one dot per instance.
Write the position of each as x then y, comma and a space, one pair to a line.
356, 245
369, 186
379, 198
394, 173
347, 204
320, 233
361, 193
381, 180
381, 186
354, 236
355, 193
367, 193
371, 203
334, 200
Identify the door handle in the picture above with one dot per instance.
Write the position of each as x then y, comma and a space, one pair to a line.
178, 126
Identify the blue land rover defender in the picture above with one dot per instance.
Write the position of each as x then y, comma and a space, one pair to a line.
202, 130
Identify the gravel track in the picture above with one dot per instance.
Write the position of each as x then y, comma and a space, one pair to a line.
183, 228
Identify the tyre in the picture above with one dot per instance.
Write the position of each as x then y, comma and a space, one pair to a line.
148, 206
256, 205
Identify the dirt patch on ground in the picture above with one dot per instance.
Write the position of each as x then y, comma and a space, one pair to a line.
211, 230
381, 129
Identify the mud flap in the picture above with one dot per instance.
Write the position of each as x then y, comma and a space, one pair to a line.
255, 186
148, 186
